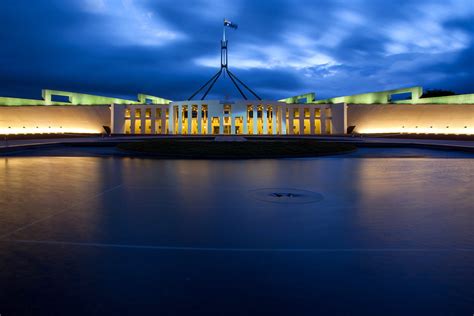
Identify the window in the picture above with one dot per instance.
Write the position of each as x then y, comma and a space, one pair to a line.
306, 113
296, 113
60, 98
317, 112
138, 113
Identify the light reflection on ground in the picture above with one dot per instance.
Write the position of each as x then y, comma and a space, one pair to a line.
175, 235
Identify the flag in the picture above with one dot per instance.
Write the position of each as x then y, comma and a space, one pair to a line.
230, 24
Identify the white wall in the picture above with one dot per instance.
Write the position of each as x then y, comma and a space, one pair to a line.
339, 118
54, 119
408, 118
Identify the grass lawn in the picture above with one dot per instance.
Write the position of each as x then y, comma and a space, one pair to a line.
195, 149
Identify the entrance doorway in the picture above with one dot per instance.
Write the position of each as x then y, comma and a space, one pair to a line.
215, 125
239, 125
227, 125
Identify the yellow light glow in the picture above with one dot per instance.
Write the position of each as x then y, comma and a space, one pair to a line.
413, 130
47, 130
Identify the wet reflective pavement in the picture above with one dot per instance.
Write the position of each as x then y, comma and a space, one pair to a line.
94, 236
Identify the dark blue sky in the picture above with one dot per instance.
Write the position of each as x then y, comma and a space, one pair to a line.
169, 48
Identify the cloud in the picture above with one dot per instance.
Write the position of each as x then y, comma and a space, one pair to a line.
94, 6
270, 57
425, 29
282, 47
127, 22
425, 36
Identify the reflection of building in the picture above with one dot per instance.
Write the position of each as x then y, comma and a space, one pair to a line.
380, 112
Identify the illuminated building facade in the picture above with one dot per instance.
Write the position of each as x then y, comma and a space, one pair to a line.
379, 112
213, 117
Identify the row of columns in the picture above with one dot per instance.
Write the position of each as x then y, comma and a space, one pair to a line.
237, 111
235, 114
143, 120
312, 117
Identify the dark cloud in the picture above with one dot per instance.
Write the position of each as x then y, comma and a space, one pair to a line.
168, 47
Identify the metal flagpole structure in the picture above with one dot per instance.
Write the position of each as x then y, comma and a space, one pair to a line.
224, 69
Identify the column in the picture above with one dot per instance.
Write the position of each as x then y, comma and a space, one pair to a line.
323, 120
190, 119
283, 120
132, 120
301, 108
163, 120
221, 118
255, 119
143, 121
199, 118
245, 125
265, 120
153, 120
311, 121
210, 114
180, 120
290, 120
274, 119
171, 118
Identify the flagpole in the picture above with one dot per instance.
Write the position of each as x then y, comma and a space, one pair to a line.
224, 49
223, 35
224, 68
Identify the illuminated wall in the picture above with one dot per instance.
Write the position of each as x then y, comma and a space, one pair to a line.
411, 118
72, 98
449, 99
145, 98
154, 115
414, 96
307, 97
381, 97
54, 119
